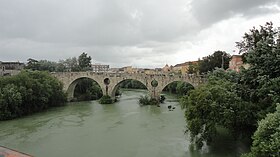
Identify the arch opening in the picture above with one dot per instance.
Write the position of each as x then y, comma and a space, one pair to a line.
84, 89
128, 84
179, 88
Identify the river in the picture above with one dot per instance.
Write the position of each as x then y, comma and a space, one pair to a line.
123, 129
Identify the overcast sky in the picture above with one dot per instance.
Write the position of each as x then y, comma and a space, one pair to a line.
141, 33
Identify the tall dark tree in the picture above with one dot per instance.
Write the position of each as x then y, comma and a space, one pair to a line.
84, 61
31, 64
261, 48
219, 59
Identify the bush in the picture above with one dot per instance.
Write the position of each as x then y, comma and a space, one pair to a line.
106, 99
29, 92
266, 141
146, 100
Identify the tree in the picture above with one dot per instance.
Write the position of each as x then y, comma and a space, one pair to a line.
84, 61
41, 65
10, 102
261, 48
72, 64
183, 88
219, 59
237, 101
29, 92
179, 88
217, 103
266, 141
31, 64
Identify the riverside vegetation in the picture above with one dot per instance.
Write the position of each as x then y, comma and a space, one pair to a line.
243, 103
29, 92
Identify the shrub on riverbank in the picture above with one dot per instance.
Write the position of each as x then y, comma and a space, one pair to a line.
106, 99
146, 100
28, 92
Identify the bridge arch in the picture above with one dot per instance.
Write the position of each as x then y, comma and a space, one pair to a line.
72, 85
170, 82
117, 85
69, 81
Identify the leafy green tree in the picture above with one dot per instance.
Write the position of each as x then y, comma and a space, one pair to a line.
10, 102
261, 48
72, 64
29, 92
41, 65
179, 88
219, 59
266, 141
31, 64
84, 61
242, 98
217, 104
61, 66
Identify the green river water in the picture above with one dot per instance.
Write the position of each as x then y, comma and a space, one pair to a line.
123, 129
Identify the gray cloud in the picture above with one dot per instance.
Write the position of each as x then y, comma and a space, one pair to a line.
208, 12
117, 32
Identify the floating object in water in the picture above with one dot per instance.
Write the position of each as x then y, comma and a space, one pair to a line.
169, 107
6, 152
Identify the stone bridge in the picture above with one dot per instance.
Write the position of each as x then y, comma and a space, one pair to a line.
109, 82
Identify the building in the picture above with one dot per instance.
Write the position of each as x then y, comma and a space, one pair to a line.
130, 70
10, 68
2, 69
149, 71
100, 68
236, 63
183, 68
166, 69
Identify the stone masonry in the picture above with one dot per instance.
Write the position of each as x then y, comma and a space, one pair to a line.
109, 82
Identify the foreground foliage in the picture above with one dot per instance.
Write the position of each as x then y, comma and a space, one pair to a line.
237, 101
217, 104
266, 141
28, 92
